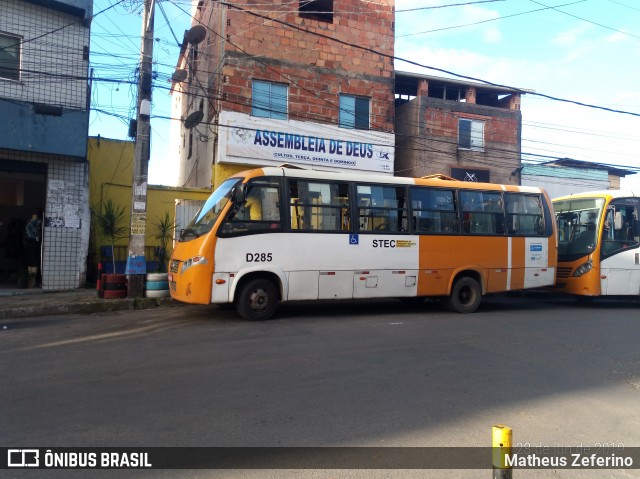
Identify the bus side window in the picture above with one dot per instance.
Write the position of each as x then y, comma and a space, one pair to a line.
620, 230
382, 208
259, 213
319, 206
524, 214
433, 210
252, 208
482, 212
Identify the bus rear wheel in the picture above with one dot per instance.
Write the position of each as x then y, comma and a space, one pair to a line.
258, 300
465, 296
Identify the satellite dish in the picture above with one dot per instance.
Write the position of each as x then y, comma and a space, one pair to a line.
193, 119
179, 75
195, 35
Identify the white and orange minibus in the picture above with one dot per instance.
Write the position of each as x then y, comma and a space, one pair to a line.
281, 233
598, 243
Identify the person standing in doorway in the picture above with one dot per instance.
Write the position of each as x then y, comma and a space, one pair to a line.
33, 236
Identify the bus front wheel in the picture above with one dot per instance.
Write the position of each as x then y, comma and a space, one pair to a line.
465, 296
258, 300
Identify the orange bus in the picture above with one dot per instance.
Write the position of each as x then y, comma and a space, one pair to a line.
598, 243
282, 233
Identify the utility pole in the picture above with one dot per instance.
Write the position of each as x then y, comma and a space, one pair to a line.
136, 261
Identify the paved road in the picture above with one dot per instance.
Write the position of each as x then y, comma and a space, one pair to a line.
379, 373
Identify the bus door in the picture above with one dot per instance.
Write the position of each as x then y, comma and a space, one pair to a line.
620, 251
323, 267
384, 243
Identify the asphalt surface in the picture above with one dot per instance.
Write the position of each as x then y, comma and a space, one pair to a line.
363, 374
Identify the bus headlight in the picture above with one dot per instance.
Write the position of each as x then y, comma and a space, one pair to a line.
583, 268
192, 262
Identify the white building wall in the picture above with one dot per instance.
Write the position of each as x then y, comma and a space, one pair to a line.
557, 186
67, 225
53, 68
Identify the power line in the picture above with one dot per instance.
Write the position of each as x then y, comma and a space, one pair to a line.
486, 21
584, 19
23, 42
269, 19
625, 5
448, 72
446, 6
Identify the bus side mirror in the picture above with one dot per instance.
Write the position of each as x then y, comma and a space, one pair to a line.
238, 198
617, 222
239, 194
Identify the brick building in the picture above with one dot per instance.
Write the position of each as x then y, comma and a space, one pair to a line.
291, 83
466, 130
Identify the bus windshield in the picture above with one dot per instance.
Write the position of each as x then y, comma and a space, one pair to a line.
207, 216
578, 226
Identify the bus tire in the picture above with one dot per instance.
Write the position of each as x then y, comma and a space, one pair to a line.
257, 300
465, 296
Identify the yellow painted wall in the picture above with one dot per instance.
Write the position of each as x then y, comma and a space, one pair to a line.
222, 171
110, 177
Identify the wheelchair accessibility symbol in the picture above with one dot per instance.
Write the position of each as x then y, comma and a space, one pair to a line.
354, 239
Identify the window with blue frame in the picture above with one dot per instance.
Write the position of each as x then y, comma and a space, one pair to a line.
269, 100
354, 112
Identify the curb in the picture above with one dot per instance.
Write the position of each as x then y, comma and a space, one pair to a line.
95, 306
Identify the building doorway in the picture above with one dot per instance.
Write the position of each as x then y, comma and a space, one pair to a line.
23, 187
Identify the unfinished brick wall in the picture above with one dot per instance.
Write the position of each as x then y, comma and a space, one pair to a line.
427, 139
497, 129
243, 44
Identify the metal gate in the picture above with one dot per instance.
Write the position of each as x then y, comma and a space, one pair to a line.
185, 211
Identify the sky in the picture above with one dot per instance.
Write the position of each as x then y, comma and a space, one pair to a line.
115, 55
585, 51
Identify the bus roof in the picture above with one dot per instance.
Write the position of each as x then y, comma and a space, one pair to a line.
431, 180
599, 194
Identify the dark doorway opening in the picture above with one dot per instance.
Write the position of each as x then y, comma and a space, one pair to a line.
23, 187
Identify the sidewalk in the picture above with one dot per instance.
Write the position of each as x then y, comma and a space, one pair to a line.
18, 303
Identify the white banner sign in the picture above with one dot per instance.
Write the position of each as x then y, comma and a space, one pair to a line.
260, 141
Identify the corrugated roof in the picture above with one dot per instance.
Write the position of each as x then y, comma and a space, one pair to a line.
565, 172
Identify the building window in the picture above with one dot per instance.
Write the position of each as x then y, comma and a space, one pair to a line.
269, 100
10, 57
354, 112
321, 10
470, 134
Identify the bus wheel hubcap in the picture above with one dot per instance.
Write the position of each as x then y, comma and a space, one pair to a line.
259, 300
466, 296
